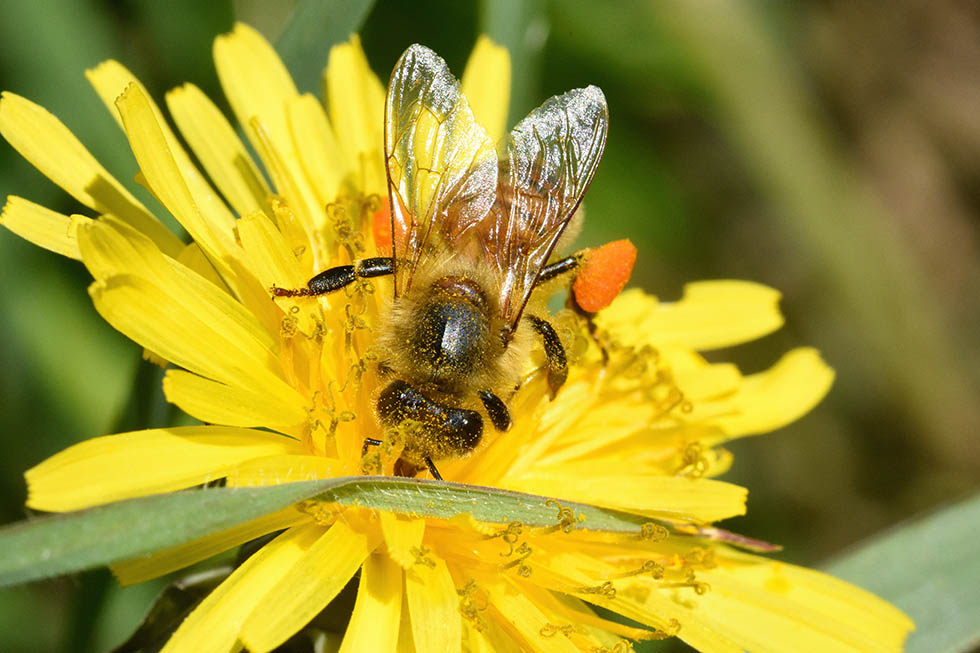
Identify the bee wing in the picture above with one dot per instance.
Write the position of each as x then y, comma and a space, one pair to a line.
552, 156
441, 165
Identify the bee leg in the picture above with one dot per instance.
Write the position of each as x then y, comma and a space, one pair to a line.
369, 442
432, 469
592, 327
339, 277
559, 267
555, 351
496, 409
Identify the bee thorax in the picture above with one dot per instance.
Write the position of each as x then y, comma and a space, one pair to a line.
448, 338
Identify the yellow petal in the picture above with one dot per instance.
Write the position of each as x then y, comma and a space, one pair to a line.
163, 562
215, 624
267, 254
766, 605
255, 80
403, 537
708, 381
194, 328
317, 147
191, 203
273, 470
288, 176
259, 88
772, 399
313, 581
711, 314
44, 140
219, 149
486, 84
355, 99
527, 618
154, 461
111, 248
193, 257
698, 500
238, 405
433, 606
46, 228
377, 611
111, 79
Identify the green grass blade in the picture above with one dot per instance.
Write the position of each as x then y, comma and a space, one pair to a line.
71, 542
930, 569
317, 25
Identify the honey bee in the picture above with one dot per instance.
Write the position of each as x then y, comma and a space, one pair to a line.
471, 241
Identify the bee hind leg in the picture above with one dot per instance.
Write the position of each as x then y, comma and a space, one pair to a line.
554, 351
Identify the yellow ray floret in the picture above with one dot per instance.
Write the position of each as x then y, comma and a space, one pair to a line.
377, 611
193, 204
87, 473
111, 79
711, 314
216, 623
45, 228
355, 99
219, 149
314, 580
486, 84
433, 605
43, 140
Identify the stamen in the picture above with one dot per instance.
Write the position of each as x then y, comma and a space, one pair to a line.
700, 588
606, 589
694, 462
468, 606
566, 516
654, 532
524, 551
550, 630
322, 513
655, 570
510, 534
421, 554
622, 646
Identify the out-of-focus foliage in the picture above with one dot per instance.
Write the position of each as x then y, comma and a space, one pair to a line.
830, 149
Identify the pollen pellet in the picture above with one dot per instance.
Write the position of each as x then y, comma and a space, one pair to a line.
603, 275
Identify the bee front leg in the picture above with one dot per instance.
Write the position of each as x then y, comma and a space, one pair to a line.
555, 352
496, 409
338, 277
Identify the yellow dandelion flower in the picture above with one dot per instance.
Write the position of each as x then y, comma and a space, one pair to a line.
286, 390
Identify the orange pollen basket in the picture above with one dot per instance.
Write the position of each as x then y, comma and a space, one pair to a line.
604, 274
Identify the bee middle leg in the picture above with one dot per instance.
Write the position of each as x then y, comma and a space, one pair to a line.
338, 277
554, 351
564, 266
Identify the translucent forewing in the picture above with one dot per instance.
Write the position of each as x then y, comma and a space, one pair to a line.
442, 166
552, 156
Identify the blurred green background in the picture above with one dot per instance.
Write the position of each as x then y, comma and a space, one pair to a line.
830, 149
